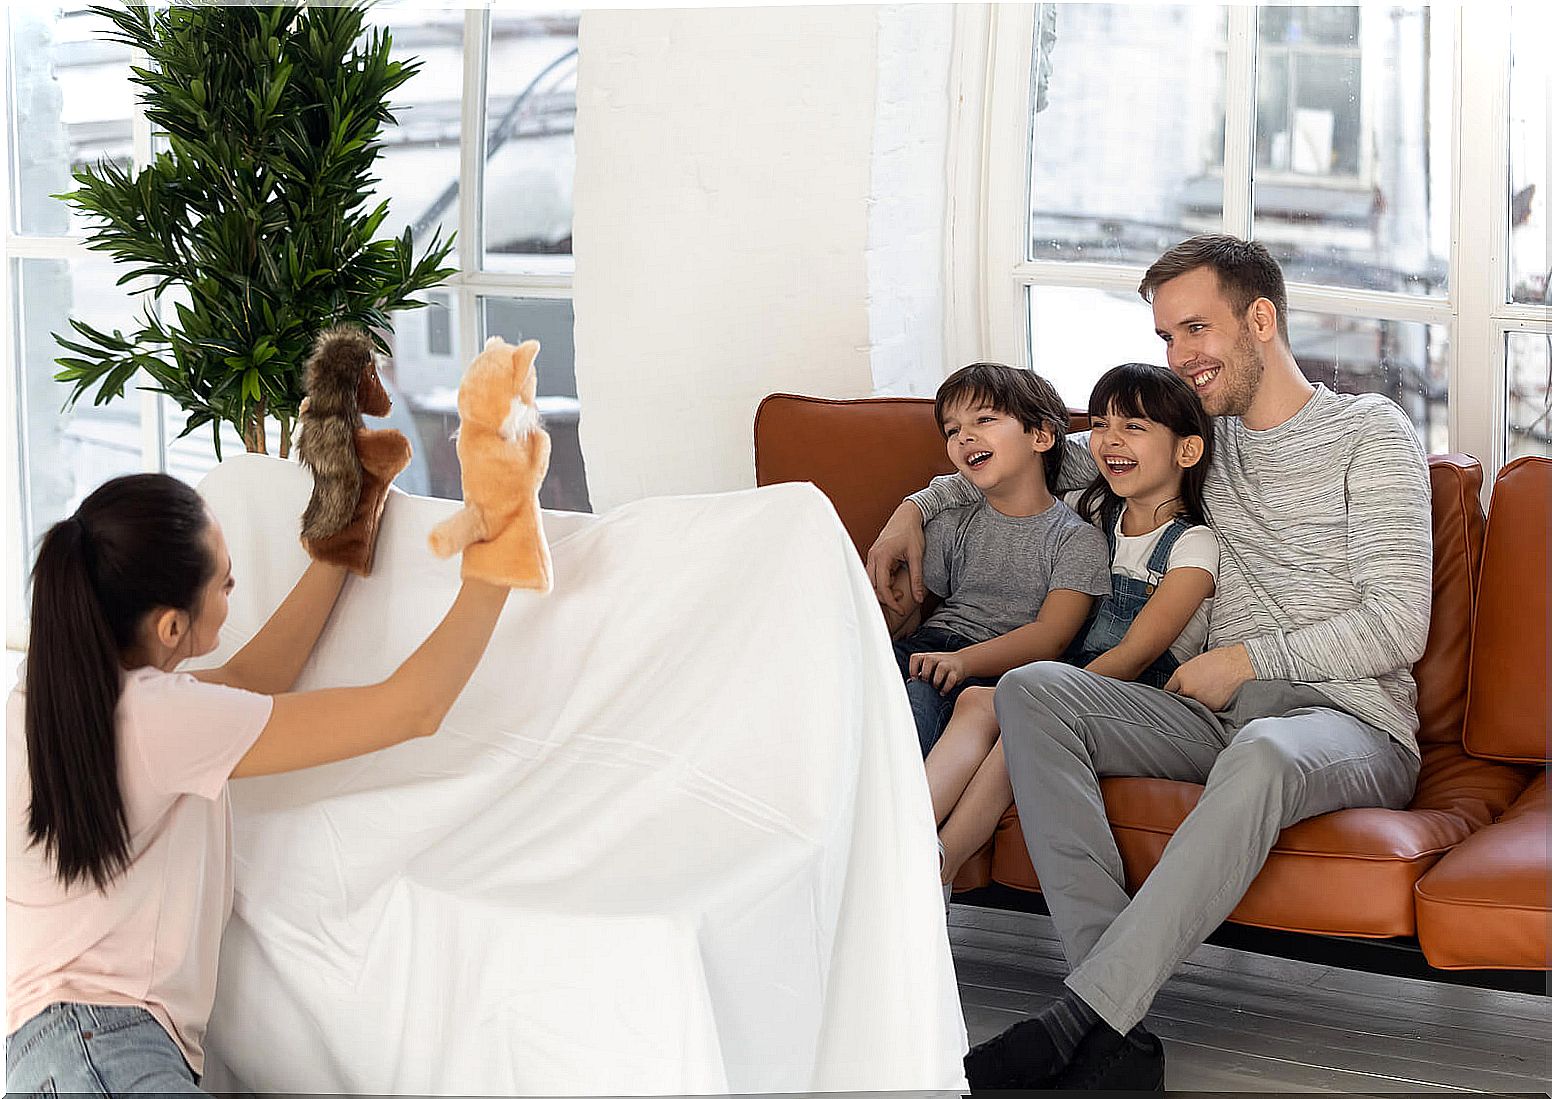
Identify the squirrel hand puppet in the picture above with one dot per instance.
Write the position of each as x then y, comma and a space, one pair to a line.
352, 466
504, 455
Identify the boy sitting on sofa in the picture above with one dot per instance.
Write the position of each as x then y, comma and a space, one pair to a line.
1015, 574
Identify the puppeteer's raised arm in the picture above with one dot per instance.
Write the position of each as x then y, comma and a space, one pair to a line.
312, 727
271, 661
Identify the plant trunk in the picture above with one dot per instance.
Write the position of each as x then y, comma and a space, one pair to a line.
253, 434
285, 436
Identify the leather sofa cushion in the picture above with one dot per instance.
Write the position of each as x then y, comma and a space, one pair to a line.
1508, 708
1344, 873
1486, 903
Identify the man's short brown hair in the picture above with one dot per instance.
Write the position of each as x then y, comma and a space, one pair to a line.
1246, 271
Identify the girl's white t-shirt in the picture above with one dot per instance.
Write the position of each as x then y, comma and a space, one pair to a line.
1196, 548
153, 938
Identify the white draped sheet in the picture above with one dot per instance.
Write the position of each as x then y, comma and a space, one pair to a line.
674, 837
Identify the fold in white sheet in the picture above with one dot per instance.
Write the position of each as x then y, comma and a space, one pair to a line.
674, 837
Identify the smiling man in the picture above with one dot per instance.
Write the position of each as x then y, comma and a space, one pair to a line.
1303, 702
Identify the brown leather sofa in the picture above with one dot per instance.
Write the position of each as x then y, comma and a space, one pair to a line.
1463, 869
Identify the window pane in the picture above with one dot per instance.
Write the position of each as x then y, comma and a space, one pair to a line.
1123, 168
418, 166
1335, 206
1117, 328
1403, 360
71, 100
68, 453
530, 157
1531, 28
422, 378
1272, 108
548, 320
1528, 406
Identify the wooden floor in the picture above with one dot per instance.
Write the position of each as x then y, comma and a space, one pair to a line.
1236, 1021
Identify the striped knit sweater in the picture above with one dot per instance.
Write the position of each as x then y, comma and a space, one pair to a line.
1326, 575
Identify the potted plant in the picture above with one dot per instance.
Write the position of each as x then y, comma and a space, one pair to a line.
256, 216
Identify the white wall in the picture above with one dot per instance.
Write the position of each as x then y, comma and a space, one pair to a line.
729, 212
909, 200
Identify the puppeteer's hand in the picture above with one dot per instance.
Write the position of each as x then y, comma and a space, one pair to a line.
899, 545
945, 671
1212, 677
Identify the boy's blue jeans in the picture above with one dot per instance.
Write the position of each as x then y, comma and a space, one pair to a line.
931, 709
89, 1049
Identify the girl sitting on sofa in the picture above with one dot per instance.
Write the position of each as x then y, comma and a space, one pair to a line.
118, 847
1152, 441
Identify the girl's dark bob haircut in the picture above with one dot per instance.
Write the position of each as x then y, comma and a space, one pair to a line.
1146, 392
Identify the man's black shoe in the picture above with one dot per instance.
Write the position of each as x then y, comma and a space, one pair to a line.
1023, 1056
1107, 1061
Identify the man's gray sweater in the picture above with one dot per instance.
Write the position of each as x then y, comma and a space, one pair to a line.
1326, 576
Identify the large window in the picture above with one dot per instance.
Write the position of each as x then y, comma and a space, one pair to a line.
482, 146
1332, 135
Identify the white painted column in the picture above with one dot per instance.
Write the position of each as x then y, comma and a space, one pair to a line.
720, 233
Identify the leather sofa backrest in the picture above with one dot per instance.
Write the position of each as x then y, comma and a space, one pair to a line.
1456, 481
866, 455
1508, 708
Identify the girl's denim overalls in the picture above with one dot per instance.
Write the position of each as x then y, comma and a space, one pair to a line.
1118, 610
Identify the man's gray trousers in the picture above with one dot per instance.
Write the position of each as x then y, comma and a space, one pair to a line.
1278, 754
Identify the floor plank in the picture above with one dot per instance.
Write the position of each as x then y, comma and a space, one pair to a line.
1236, 1021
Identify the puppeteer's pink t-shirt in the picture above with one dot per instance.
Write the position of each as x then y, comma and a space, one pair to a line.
153, 939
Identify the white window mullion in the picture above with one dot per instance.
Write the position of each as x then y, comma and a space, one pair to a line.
965, 262
153, 422
1375, 304
1092, 276
1480, 173
18, 506
1003, 227
471, 175
1239, 122
528, 286
45, 247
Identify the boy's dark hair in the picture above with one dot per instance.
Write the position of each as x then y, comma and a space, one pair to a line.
1022, 394
1246, 271
1148, 392
134, 545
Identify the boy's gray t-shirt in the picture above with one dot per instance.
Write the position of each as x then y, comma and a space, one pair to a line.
993, 570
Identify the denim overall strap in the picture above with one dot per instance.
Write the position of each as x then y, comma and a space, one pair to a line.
1158, 560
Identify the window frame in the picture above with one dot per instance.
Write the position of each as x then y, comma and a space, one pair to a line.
988, 275
550, 276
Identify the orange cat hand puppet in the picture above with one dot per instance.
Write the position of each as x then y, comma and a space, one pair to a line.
504, 454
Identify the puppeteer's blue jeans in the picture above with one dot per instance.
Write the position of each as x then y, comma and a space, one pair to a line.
89, 1049
930, 708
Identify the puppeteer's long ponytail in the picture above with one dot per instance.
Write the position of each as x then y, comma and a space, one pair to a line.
134, 545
